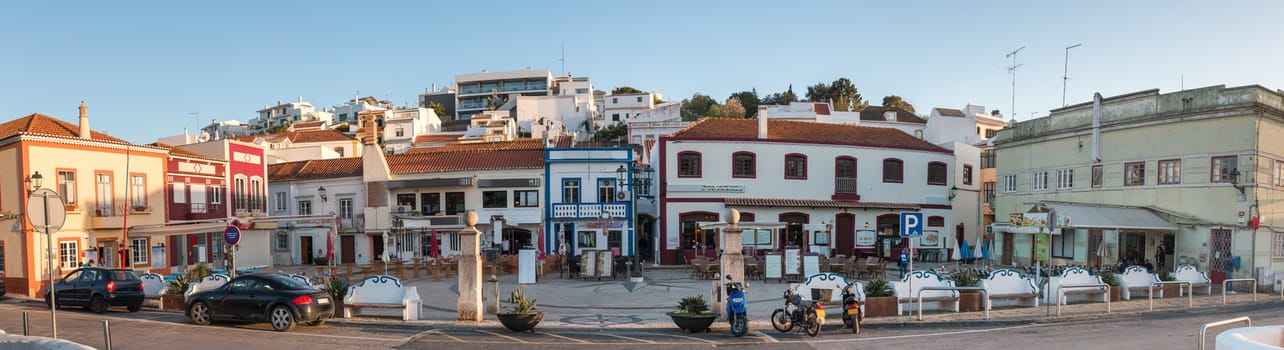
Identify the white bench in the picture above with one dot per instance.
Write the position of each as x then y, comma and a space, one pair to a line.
904, 295
828, 281
383, 292
1137, 277
1075, 275
208, 283
1188, 273
1009, 284
153, 285
304, 279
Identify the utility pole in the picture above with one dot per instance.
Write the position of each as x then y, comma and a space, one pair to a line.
1012, 69
1065, 74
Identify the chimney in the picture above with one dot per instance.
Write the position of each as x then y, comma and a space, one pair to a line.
84, 121
762, 122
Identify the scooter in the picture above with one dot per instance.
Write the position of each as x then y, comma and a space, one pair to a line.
736, 314
808, 315
853, 314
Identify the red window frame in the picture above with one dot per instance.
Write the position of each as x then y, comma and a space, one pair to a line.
900, 177
942, 170
699, 166
803, 158
753, 165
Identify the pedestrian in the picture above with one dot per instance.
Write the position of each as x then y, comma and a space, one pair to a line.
1159, 256
88, 264
903, 262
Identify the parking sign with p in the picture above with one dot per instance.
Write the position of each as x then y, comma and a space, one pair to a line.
911, 224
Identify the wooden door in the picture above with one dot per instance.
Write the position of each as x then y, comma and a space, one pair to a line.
1009, 247
348, 245
1094, 248
305, 250
845, 234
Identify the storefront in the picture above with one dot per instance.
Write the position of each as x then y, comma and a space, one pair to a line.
1073, 234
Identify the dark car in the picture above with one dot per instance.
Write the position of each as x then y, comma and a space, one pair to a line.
262, 297
97, 289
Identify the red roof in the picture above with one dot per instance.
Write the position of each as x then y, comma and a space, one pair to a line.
175, 151
301, 136
315, 169
804, 132
516, 144
437, 138
41, 124
306, 125
815, 203
445, 159
821, 108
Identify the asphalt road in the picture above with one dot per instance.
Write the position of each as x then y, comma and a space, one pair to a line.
166, 330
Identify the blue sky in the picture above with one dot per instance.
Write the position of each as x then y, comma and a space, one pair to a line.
144, 66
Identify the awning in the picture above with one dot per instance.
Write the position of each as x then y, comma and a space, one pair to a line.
743, 225
1114, 218
817, 203
176, 229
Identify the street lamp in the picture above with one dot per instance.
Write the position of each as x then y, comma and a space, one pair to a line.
34, 181
635, 179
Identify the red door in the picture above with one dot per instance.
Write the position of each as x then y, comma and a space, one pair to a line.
1219, 264
845, 234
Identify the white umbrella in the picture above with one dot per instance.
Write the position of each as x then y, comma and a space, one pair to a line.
954, 253
977, 253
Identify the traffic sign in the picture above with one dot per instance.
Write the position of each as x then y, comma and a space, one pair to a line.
232, 235
45, 208
911, 224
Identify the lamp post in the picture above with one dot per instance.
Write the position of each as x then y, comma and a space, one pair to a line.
34, 181
636, 179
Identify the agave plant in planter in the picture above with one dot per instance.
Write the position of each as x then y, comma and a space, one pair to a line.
968, 300
693, 314
337, 287
172, 298
522, 316
879, 299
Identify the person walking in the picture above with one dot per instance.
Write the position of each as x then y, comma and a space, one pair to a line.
1159, 256
903, 262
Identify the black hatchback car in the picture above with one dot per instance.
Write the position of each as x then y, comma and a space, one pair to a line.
97, 289
262, 297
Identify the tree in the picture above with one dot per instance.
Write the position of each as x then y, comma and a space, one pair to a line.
780, 98
697, 106
896, 101
714, 111
732, 108
841, 94
280, 128
626, 90
438, 108
750, 101
611, 132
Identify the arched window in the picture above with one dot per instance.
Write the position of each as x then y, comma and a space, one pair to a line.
845, 175
893, 170
744, 164
936, 174
795, 166
689, 164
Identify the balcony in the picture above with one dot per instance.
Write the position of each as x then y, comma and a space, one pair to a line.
845, 188
107, 216
589, 210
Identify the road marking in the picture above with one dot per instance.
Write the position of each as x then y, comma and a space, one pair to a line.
627, 338
581, 341
766, 337
682, 336
912, 335
502, 336
448, 336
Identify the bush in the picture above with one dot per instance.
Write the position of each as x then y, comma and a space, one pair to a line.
181, 283
1109, 277
520, 304
337, 287
693, 305
878, 288
967, 278
1166, 276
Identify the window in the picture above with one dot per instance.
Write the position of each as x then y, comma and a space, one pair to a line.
280, 200
967, 174
1097, 176
494, 199
615, 117
1279, 173
345, 208
936, 173
242, 196
138, 251
198, 199
138, 191
256, 188
1135, 174
689, 164
282, 241
987, 191
1, 257
525, 199
893, 170
1222, 167
570, 190
105, 202
180, 193
339, 150
1277, 246
795, 166
615, 100
305, 207
605, 190
429, 203
936, 221
1039, 181
400, 132
67, 186
1063, 244
216, 195
989, 133
1009, 183
582, 91
845, 175
455, 203
742, 165
1169, 172
639, 98
1065, 179
69, 254
987, 159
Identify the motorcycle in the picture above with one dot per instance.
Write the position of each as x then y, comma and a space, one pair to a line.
853, 314
736, 311
807, 315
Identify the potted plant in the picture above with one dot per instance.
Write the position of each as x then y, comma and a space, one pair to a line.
879, 299
172, 299
1109, 277
693, 314
1170, 290
522, 316
337, 287
968, 300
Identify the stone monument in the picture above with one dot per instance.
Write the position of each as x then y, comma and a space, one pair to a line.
470, 271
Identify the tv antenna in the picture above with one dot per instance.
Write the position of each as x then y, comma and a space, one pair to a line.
1012, 69
563, 59
1065, 74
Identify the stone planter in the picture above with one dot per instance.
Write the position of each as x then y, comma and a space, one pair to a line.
1172, 290
338, 308
172, 302
520, 322
880, 306
1116, 293
693, 323
969, 302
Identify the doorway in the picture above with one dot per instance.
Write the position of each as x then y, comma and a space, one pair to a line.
348, 245
1095, 250
1220, 263
376, 244
1009, 247
845, 234
305, 250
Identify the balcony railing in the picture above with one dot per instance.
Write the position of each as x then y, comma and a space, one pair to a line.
589, 210
845, 185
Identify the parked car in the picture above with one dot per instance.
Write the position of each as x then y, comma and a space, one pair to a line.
98, 288
262, 297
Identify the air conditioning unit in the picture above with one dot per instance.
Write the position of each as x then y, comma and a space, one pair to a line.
622, 196
403, 208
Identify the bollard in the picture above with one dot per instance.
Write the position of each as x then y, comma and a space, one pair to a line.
26, 324
493, 306
107, 334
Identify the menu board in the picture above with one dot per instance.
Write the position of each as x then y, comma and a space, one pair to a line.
772, 266
588, 263
792, 259
604, 263
811, 265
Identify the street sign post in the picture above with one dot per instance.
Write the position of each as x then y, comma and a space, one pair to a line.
231, 235
49, 218
911, 227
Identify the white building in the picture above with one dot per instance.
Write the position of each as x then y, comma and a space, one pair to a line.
349, 110
283, 113
218, 130
553, 115
490, 126
475, 89
295, 192
582, 184
896, 118
971, 125
294, 146
403, 125
838, 189
622, 107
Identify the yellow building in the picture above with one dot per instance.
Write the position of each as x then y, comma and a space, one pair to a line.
106, 183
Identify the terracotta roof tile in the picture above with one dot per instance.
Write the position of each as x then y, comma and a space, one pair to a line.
175, 151
516, 144
464, 160
315, 169
875, 113
821, 108
41, 124
301, 136
305, 125
804, 132
818, 203
437, 138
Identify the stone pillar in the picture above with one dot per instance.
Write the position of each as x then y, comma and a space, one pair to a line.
470, 271
732, 263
